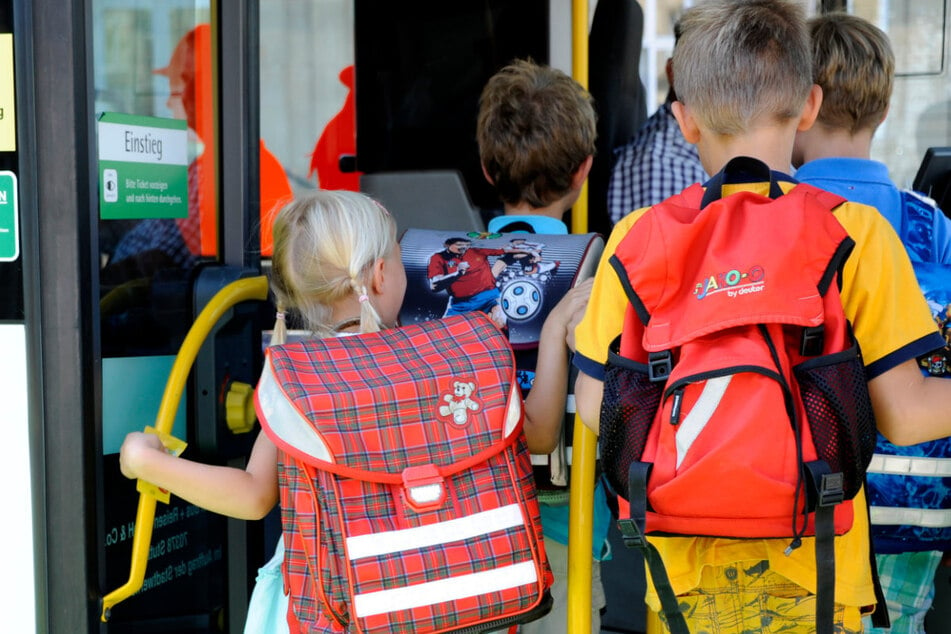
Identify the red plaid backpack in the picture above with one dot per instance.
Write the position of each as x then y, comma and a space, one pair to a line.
735, 399
407, 496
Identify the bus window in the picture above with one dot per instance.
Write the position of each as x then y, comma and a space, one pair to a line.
157, 154
919, 115
150, 85
306, 93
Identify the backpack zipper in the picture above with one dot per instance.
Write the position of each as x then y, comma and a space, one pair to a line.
678, 396
675, 390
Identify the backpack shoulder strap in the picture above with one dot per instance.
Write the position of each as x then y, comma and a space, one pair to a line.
690, 198
283, 422
825, 198
917, 230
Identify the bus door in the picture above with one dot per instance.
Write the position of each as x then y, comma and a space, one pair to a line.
178, 217
253, 109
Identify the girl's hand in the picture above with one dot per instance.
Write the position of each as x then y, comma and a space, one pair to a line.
135, 448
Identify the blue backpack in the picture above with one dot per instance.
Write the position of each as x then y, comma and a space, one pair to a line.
909, 488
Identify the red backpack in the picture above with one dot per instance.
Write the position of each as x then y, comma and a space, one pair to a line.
735, 399
408, 502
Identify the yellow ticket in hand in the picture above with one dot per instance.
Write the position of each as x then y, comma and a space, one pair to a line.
173, 446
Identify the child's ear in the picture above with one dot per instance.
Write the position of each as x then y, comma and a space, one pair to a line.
688, 125
377, 276
581, 174
485, 173
810, 110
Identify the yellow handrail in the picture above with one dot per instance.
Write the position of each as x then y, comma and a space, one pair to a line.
251, 288
584, 442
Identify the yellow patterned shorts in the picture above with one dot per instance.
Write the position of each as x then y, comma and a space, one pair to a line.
748, 597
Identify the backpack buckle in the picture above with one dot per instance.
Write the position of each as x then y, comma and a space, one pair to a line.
813, 340
831, 489
424, 489
659, 366
826, 488
631, 533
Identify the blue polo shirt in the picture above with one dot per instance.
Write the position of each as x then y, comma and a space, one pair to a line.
867, 182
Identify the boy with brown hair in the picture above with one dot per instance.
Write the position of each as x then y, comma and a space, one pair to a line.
854, 65
744, 88
536, 132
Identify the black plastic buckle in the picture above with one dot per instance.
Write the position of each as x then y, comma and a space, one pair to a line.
633, 537
813, 340
831, 489
659, 366
826, 488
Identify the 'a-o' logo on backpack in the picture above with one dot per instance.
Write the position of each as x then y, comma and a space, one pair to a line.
734, 282
459, 403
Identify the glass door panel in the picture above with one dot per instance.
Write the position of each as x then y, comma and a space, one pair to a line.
155, 130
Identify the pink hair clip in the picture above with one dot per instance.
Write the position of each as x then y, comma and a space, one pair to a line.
279, 316
363, 298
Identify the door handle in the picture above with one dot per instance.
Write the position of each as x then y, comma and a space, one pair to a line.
246, 289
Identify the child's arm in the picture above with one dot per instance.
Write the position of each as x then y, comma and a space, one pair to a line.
247, 493
910, 407
589, 392
545, 404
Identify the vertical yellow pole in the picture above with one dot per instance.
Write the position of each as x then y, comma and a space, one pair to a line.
584, 442
579, 69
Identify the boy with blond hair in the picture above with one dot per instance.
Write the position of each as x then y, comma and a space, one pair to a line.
854, 65
744, 88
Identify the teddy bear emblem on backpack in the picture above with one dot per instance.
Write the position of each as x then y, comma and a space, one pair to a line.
459, 403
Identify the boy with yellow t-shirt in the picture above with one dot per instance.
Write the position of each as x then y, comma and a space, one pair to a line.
725, 584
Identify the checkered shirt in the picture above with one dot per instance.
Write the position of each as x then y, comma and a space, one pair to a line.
656, 164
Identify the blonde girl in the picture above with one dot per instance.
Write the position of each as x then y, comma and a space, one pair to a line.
337, 265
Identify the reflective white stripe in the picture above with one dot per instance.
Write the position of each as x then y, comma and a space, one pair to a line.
513, 414
376, 544
444, 590
910, 465
285, 420
700, 414
927, 518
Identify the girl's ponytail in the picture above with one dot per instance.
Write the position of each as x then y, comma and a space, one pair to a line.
279, 335
369, 318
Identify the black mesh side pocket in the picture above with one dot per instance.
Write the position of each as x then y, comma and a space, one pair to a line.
628, 408
835, 394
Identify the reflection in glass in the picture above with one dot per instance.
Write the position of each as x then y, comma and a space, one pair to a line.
156, 62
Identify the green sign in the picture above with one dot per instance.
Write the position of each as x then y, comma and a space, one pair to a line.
143, 167
9, 218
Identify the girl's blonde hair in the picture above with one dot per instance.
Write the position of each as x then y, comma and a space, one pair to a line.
325, 245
